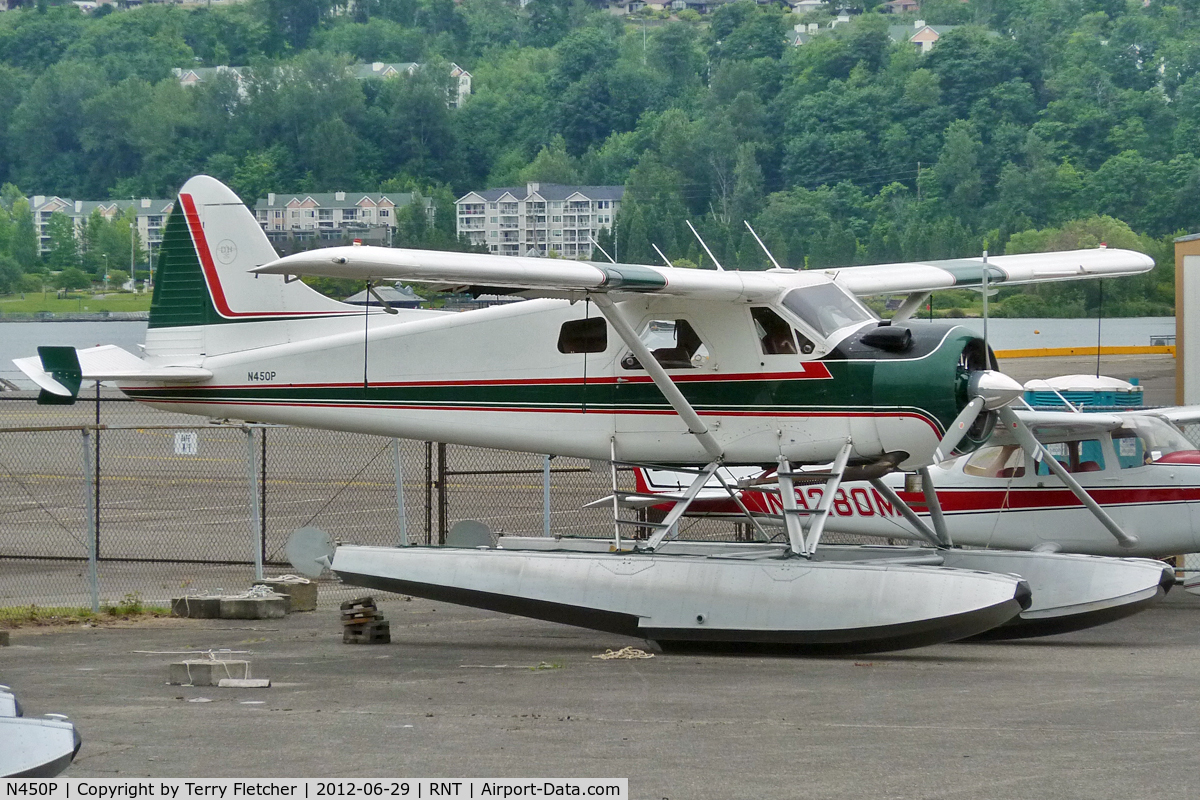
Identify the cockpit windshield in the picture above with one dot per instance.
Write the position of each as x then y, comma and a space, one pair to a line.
826, 307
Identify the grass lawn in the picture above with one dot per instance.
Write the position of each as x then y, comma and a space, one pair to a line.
76, 301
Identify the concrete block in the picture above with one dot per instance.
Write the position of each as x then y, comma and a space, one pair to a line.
206, 672
301, 593
273, 606
196, 607
3, 638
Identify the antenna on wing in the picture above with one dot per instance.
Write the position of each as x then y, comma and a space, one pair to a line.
760, 244
596, 245
985, 308
702, 244
666, 260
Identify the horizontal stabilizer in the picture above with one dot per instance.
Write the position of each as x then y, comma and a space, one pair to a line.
59, 371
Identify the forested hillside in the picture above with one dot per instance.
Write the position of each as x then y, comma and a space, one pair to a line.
1034, 124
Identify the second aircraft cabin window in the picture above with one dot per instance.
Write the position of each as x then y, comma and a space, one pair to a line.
674, 344
998, 461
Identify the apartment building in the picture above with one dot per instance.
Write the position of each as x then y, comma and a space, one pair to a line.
150, 214
539, 218
333, 216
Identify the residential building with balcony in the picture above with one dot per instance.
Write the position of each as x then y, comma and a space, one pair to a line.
151, 215
333, 216
539, 218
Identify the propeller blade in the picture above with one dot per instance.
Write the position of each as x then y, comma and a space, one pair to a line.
958, 429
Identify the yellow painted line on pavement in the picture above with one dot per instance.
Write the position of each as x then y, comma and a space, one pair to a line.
1047, 352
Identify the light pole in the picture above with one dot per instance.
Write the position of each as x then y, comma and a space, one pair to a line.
132, 234
105, 272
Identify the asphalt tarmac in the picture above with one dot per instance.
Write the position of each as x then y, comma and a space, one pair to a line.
1105, 713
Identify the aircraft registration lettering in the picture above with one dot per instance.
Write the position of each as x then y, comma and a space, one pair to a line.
260, 377
859, 502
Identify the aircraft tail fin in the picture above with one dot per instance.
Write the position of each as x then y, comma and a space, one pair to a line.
210, 242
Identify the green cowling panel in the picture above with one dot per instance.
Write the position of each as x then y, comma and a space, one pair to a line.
181, 295
924, 382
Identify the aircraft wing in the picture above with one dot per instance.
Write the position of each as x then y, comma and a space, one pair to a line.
961, 273
1051, 425
480, 272
545, 276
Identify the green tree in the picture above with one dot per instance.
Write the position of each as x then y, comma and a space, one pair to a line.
10, 274
64, 248
72, 279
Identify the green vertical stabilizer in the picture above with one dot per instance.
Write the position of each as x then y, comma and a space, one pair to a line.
181, 295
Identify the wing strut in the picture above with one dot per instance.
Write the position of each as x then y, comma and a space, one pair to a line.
670, 524
661, 379
911, 303
1032, 445
935, 508
906, 511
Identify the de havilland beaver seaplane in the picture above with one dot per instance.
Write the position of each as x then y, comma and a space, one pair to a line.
779, 368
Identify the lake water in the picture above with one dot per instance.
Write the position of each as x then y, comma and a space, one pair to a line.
18, 339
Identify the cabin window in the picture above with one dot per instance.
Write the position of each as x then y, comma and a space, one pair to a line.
776, 336
674, 344
1084, 456
1003, 461
583, 336
826, 307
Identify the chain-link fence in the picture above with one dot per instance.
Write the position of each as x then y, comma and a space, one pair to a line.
167, 505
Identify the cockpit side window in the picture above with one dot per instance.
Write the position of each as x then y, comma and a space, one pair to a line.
674, 344
826, 307
775, 335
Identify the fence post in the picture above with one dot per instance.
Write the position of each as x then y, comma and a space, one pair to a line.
546, 496
255, 527
441, 482
399, 456
89, 503
429, 493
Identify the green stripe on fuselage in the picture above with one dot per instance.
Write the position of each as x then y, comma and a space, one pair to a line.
924, 386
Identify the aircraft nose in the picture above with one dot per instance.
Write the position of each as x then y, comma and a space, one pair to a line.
995, 388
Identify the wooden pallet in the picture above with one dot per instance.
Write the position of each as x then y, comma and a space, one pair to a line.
363, 624
376, 632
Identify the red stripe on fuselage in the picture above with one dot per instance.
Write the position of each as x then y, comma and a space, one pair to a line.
965, 501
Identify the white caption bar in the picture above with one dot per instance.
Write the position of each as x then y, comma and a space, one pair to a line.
240, 789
